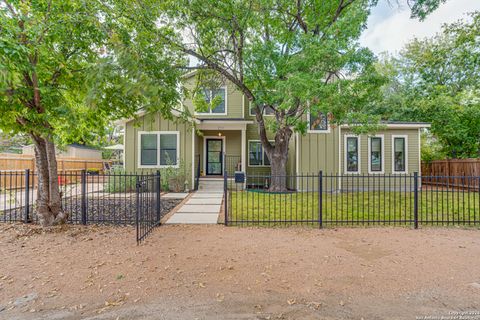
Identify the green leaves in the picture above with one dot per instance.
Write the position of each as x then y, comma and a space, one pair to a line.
89, 61
422, 8
438, 80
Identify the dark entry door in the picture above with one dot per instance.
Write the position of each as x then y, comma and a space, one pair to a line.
214, 156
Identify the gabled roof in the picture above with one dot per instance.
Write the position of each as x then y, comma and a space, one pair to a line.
400, 125
175, 113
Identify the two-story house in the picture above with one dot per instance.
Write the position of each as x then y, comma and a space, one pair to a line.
230, 129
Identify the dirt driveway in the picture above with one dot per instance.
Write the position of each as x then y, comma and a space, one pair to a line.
213, 272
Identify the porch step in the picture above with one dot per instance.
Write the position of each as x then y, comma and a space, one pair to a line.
211, 185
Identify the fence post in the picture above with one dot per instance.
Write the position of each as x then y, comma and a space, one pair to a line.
84, 196
27, 196
137, 213
415, 199
225, 194
157, 189
320, 199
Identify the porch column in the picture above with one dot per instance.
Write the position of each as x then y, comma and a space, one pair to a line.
244, 155
194, 158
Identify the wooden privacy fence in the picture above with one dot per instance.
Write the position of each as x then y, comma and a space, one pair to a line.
18, 163
452, 172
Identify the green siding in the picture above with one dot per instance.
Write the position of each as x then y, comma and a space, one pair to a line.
412, 147
318, 151
153, 122
315, 151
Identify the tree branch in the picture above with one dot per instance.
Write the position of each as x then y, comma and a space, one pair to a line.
10, 8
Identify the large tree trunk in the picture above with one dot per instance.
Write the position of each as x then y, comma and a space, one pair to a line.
278, 156
48, 204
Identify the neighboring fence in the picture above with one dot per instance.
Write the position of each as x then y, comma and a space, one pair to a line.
337, 200
451, 172
18, 162
104, 198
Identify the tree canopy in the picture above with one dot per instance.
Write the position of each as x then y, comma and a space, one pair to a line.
292, 57
69, 67
438, 80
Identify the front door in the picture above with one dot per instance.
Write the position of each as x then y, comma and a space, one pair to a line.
214, 156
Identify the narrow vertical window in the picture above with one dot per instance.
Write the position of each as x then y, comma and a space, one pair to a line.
168, 149
148, 149
352, 154
220, 108
255, 153
399, 158
376, 154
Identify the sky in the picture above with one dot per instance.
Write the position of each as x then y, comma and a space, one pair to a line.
390, 27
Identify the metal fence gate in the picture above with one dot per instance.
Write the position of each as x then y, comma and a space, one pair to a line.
148, 205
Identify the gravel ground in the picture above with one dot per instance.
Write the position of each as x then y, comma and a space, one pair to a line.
99, 210
217, 272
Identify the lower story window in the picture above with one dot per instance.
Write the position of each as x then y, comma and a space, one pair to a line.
158, 149
351, 151
376, 154
399, 157
256, 155
148, 150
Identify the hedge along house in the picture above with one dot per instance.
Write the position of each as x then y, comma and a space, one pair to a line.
226, 138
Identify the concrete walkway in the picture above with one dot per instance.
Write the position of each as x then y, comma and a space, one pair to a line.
203, 207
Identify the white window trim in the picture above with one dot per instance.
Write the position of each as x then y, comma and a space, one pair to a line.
317, 131
406, 153
252, 114
248, 155
158, 165
345, 153
210, 110
382, 137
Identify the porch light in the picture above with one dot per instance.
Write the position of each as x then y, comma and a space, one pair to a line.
219, 134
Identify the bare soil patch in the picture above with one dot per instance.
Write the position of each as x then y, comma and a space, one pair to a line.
214, 272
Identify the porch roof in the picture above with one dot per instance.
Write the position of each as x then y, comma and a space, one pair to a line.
223, 124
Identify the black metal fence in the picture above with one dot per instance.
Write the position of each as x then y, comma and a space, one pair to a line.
88, 198
197, 171
337, 200
148, 213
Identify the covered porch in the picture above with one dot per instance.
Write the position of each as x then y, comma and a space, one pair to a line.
220, 146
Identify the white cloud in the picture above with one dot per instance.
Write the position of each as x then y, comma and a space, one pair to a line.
390, 28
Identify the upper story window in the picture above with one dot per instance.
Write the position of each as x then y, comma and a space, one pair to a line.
352, 160
375, 156
256, 156
317, 122
158, 149
399, 156
212, 93
266, 110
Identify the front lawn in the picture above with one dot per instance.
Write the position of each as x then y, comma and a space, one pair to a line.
353, 208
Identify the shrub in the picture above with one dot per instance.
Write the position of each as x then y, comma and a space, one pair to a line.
173, 179
117, 181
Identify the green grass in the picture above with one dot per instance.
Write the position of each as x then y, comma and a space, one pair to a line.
354, 208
